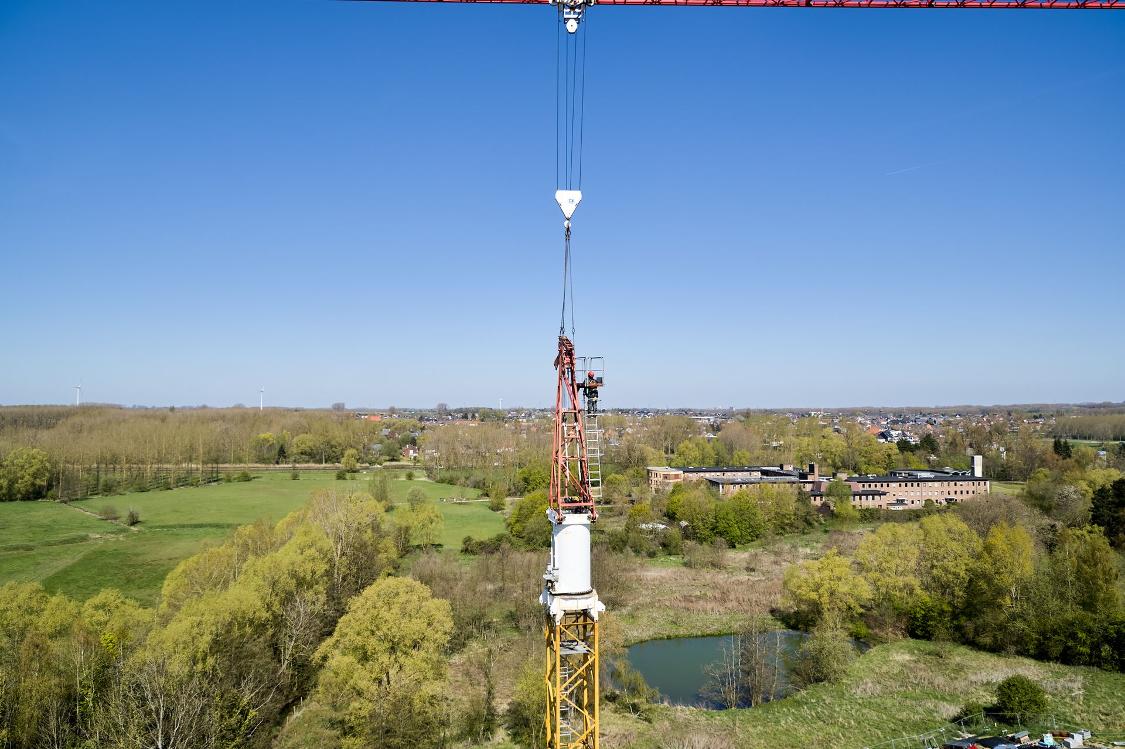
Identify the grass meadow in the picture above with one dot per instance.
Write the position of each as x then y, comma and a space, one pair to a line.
69, 549
895, 690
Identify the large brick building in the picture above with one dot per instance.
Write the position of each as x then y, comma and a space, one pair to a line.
897, 490
911, 489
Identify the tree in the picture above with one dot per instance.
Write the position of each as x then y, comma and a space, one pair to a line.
888, 560
1108, 511
528, 522
948, 558
25, 474
428, 522
384, 667
1062, 448
1007, 563
695, 451
695, 505
380, 489
524, 717
826, 591
265, 447
739, 519
824, 656
350, 461
309, 448
1020, 699
1084, 571
416, 497
929, 444
532, 478
839, 495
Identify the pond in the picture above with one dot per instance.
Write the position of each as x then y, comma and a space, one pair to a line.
680, 669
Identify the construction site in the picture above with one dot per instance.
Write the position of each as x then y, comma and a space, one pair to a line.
777, 579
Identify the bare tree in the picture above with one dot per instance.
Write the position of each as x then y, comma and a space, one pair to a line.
725, 676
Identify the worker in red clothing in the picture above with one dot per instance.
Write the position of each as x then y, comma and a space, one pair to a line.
590, 389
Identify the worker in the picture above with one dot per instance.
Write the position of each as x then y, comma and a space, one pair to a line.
590, 389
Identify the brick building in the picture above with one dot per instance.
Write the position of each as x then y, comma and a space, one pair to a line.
903, 489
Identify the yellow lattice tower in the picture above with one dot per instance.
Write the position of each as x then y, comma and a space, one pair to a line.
572, 681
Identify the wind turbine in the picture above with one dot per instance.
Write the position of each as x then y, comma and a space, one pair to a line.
261, 398
78, 395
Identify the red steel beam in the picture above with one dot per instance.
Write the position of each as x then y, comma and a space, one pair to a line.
979, 4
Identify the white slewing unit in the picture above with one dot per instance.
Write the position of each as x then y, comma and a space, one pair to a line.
568, 586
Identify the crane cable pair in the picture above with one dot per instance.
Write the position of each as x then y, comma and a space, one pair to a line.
570, 110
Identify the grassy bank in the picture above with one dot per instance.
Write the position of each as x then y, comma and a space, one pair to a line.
894, 690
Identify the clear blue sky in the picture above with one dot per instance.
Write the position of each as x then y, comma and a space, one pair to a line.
353, 201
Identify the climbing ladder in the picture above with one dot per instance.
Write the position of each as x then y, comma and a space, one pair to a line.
593, 455
595, 364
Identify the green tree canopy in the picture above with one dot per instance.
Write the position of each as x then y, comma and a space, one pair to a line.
25, 474
384, 666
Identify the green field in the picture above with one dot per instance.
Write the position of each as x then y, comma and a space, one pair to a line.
900, 689
71, 551
1011, 488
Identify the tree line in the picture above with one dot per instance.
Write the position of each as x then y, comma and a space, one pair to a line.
1050, 592
1110, 426
104, 449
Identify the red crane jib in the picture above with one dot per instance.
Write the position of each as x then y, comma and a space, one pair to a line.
570, 478
979, 4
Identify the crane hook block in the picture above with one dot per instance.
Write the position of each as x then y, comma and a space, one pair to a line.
568, 201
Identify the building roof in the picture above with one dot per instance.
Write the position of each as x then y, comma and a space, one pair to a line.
788, 478
895, 479
727, 469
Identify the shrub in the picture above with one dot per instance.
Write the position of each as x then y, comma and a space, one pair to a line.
672, 540
496, 503
341, 475
410, 475
524, 716
243, 476
971, 714
295, 474
109, 512
1020, 699
824, 656
416, 498
701, 556
132, 517
629, 690
470, 545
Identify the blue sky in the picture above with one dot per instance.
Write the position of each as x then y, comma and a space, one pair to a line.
353, 201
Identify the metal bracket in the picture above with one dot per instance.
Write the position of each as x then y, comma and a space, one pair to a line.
571, 11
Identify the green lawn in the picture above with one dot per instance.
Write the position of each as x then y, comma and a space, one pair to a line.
27, 525
1011, 488
70, 551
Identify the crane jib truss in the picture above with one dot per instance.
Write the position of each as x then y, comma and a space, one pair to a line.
936, 4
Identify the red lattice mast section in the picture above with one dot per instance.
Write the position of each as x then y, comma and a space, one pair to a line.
570, 482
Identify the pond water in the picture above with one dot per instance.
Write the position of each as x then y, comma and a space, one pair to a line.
678, 669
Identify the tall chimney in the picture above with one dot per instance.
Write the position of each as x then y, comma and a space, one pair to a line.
978, 466
813, 474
